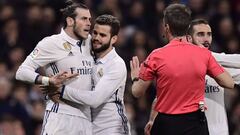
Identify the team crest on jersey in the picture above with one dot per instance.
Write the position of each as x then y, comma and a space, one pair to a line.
67, 46
100, 72
34, 53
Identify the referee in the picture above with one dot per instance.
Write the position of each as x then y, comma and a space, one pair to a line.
179, 70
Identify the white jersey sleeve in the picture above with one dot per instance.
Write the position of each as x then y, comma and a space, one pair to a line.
46, 51
227, 60
104, 89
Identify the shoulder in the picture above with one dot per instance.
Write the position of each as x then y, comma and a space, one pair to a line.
156, 53
197, 49
49, 41
52, 43
119, 61
118, 64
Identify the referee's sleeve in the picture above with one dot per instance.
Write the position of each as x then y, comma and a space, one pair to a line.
213, 68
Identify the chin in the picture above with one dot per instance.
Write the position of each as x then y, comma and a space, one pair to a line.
85, 36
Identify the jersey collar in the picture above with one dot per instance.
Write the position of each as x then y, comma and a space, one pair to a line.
107, 57
68, 38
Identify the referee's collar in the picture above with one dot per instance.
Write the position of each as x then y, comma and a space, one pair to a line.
68, 38
177, 41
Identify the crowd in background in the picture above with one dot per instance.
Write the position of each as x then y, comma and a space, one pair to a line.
23, 23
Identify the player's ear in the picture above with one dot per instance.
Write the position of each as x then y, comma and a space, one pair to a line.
114, 39
70, 21
189, 38
166, 27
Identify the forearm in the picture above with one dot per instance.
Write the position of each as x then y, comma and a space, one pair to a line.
26, 72
90, 98
71, 94
225, 80
153, 113
139, 87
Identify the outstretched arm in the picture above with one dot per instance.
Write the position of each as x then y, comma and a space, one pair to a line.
227, 60
225, 80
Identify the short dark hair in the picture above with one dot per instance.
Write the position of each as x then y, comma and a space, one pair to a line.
69, 10
196, 22
111, 21
178, 17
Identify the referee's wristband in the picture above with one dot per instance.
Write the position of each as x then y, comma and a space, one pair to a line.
135, 79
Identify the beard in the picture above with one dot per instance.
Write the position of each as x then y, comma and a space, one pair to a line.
102, 48
205, 44
76, 32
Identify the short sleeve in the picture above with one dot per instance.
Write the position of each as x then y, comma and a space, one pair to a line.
213, 68
148, 68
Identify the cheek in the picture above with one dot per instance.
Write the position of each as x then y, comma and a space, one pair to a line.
79, 25
210, 40
198, 40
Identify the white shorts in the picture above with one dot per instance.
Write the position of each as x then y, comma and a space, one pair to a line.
110, 131
64, 124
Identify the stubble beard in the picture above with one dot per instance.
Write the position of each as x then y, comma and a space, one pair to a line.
102, 48
76, 32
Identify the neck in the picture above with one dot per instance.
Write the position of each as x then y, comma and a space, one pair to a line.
180, 38
70, 33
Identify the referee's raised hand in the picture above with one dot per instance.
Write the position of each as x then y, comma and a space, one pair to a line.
134, 65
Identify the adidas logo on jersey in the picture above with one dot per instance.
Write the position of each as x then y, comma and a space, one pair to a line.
70, 54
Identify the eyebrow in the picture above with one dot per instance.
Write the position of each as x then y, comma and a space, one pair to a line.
102, 34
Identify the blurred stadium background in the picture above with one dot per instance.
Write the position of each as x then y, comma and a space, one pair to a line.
25, 22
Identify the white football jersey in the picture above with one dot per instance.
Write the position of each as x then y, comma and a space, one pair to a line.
106, 100
59, 53
227, 60
110, 117
216, 113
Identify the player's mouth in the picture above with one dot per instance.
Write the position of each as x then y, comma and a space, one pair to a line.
86, 30
96, 42
206, 44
